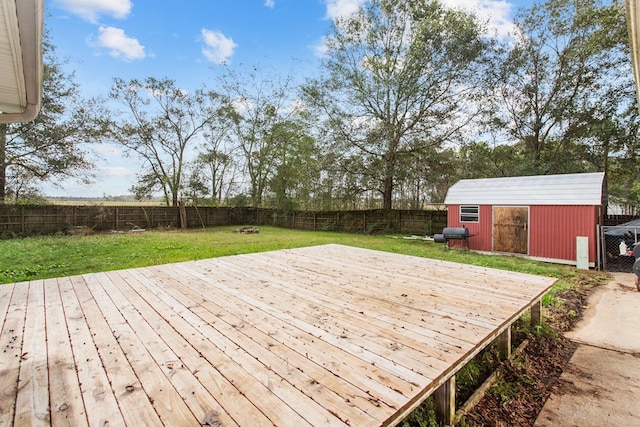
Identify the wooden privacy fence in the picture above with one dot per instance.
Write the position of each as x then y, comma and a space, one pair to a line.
52, 219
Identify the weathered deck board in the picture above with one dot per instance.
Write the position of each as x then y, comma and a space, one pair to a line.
132, 338
65, 397
133, 402
270, 352
328, 335
32, 401
13, 312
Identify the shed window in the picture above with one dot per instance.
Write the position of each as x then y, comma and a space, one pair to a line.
469, 213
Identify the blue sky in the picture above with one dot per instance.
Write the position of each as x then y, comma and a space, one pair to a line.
189, 41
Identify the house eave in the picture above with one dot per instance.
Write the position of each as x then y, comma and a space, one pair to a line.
21, 26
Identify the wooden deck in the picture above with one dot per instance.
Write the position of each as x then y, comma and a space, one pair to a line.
326, 335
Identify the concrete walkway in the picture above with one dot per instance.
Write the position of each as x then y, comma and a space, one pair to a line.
601, 384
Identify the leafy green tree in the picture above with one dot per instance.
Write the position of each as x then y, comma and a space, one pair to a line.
56, 143
214, 170
209, 178
258, 108
296, 170
160, 123
567, 58
398, 72
623, 167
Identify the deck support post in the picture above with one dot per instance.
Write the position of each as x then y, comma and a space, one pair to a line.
445, 402
536, 313
504, 344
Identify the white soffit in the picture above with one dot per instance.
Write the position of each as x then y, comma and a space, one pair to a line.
21, 24
567, 189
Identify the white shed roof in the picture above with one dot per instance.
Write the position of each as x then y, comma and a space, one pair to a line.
567, 189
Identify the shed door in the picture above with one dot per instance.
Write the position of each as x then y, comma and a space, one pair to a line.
511, 230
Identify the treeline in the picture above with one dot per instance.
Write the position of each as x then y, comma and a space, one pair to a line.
411, 97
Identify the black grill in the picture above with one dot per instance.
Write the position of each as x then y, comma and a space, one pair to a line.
453, 233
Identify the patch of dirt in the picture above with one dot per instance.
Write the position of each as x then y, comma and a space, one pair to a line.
563, 316
528, 380
525, 384
247, 230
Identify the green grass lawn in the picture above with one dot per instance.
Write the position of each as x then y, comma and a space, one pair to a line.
55, 256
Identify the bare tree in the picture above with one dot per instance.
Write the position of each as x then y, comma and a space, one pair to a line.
259, 105
160, 124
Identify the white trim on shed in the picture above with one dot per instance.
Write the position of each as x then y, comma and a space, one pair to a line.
567, 189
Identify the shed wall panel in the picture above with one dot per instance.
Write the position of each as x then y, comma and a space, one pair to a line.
482, 230
553, 231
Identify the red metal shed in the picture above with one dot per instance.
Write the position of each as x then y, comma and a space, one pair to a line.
536, 216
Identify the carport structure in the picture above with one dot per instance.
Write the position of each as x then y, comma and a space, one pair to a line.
325, 335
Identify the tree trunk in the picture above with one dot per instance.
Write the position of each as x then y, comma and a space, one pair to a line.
3, 162
254, 196
387, 192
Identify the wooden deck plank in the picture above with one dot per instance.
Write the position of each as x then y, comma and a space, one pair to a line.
13, 315
5, 300
345, 359
471, 283
363, 279
473, 277
370, 380
444, 290
329, 335
309, 380
165, 399
366, 355
261, 384
133, 402
436, 341
191, 359
315, 381
177, 360
65, 396
327, 294
321, 317
97, 394
32, 402
399, 303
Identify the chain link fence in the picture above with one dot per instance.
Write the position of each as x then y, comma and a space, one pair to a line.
618, 244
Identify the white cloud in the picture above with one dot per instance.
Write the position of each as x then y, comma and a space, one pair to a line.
90, 10
342, 8
218, 48
242, 104
109, 150
320, 49
270, 3
119, 44
496, 12
116, 172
